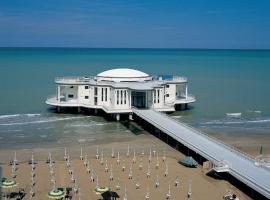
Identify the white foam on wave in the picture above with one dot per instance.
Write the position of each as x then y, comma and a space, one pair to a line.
20, 136
32, 114
177, 116
41, 121
220, 122
43, 136
20, 114
9, 116
233, 114
255, 111
91, 124
81, 140
13, 130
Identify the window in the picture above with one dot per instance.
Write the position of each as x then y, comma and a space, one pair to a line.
167, 95
86, 87
70, 96
125, 97
86, 97
95, 100
95, 92
71, 87
121, 97
117, 97
102, 91
106, 94
167, 86
154, 96
158, 96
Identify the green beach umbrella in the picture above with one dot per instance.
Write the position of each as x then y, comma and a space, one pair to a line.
56, 194
100, 190
7, 184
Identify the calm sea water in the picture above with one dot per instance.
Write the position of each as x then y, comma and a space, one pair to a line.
224, 81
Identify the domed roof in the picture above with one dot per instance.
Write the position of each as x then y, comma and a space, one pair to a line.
123, 73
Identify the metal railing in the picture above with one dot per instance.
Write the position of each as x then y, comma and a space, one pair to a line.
77, 79
227, 146
173, 78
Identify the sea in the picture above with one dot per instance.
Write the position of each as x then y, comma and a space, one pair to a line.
223, 81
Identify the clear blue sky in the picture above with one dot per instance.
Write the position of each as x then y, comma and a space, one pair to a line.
130, 23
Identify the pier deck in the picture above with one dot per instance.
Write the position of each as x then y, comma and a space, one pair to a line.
224, 157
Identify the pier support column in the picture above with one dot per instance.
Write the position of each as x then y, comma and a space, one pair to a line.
130, 116
186, 91
79, 109
58, 109
96, 111
117, 117
186, 106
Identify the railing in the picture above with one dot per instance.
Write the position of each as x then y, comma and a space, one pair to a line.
173, 78
51, 97
179, 78
227, 146
189, 96
77, 79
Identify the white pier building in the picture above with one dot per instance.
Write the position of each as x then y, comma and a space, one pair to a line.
116, 91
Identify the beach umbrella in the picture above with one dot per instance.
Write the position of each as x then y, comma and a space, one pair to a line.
128, 151
118, 158
65, 155
97, 154
8, 183
125, 196
56, 194
261, 150
112, 154
100, 189
101, 159
141, 164
164, 156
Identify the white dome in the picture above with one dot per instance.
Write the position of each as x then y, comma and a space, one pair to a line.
123, 73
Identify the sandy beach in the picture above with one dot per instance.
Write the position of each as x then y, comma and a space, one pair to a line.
203, 187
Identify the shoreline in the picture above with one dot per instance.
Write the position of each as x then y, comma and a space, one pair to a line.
249, 145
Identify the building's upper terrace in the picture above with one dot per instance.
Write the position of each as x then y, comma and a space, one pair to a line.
121, 77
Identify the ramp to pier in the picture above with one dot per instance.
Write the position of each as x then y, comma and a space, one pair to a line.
224, 157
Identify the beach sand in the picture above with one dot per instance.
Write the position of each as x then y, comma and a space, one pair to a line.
203, 187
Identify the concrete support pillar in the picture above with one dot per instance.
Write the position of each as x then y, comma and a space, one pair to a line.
117, 117
186, 91
96, 111
186, 106
79, 109
130, 116
58, 109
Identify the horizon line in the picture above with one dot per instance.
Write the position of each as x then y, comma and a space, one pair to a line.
146, 48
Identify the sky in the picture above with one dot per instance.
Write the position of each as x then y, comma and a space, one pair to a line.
218, 24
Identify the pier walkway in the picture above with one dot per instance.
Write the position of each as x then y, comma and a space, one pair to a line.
225, 158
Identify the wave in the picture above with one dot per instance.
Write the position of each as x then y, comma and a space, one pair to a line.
255, 111
18, 115
9, 116
41, 121
32, 114
234, 114
177, 116
220, 122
